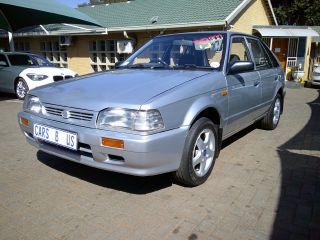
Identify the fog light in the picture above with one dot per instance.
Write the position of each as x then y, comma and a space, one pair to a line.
109, 142
24, 121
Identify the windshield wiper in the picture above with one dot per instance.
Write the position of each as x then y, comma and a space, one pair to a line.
139, 65
162, 63
192, 66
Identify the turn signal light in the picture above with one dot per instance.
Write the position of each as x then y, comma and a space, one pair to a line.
24, 121
110, 142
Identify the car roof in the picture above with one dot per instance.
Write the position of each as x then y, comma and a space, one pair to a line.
228, 33
19, 53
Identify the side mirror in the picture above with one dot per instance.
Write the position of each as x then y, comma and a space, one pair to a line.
3, 64
117, 64
239, 67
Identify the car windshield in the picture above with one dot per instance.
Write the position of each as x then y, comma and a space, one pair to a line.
41, 61
181, 51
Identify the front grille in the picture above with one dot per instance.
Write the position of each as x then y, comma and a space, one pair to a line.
81, 116
54, 111
68, 76
78, 115
57, 78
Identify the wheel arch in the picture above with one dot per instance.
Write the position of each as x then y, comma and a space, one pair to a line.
210, 113
204, 107
15, 82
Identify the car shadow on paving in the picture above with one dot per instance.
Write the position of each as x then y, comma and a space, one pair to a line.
118, 181
298, 213
107, 179
7, 96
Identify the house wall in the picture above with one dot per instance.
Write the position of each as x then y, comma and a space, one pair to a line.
254, 14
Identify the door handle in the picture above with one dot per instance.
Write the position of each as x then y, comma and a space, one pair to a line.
256, 84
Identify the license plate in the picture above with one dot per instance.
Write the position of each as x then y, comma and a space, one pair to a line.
56, 136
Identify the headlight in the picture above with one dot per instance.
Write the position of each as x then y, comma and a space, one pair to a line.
36, 77
32, 104
131, 119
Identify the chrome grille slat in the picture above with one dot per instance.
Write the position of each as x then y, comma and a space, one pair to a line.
85, 150
77, 115
81, 113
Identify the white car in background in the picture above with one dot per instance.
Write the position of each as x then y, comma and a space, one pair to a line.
21, 72
315, 78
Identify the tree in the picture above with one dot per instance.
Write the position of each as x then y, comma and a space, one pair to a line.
297, 12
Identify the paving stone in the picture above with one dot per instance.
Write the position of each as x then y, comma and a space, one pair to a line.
265, 185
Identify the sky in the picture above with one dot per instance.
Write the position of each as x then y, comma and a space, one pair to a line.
72, 3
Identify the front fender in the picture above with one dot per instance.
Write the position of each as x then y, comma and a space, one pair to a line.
214, 101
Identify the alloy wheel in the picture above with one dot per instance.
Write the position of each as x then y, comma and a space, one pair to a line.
276, 111
21, 89
203, 152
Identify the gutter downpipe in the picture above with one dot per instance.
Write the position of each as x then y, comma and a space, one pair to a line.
10, 32
11, 43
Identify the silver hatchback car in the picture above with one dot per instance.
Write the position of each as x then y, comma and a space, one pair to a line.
167, 108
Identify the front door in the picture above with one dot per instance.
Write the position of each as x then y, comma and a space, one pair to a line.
280, 49
244, 89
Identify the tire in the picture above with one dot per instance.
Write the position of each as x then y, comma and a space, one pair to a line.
271, 120
21, 89
199, 154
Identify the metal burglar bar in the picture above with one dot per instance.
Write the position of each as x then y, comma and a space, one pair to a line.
292, 52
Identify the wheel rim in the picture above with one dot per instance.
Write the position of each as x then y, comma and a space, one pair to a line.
203, 152
276, 111
21, 89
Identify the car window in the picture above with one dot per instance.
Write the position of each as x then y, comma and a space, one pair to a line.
238, 51
20, 60
41, 61
260, 57
3, 61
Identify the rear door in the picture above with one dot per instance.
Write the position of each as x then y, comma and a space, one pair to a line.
268, 74
244, 89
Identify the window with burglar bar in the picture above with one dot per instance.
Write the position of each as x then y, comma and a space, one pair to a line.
55, 53
103, 54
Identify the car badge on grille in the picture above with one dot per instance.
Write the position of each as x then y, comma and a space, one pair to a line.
65, 114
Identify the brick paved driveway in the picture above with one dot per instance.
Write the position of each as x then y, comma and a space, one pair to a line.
265, 184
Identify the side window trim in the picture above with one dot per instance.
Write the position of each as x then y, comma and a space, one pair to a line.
251, 54
245, 45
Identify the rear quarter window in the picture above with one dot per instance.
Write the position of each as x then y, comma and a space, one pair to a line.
273, 59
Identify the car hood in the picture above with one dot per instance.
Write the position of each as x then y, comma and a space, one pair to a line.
128, 88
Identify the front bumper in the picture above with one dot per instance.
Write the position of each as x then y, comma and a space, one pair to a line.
142, 155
